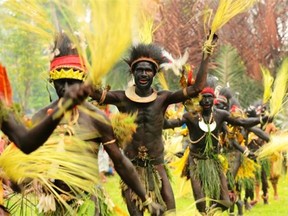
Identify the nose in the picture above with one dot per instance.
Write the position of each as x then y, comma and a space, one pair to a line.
65, 87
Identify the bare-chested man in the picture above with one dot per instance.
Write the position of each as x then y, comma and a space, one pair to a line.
146, 151
205, 171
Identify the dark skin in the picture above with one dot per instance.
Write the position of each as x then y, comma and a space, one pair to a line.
29, 140
195, 133
103, 126
150, 118
235, 156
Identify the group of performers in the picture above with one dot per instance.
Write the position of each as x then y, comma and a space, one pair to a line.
219, 127
219, 133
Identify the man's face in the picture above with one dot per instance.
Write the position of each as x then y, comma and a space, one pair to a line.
143, 75
62, 84
207, 101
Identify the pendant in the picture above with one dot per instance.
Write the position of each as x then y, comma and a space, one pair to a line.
204, 127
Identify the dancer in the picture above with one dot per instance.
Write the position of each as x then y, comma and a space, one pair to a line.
146, 151
66, 69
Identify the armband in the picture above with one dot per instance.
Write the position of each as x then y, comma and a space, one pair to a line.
185, 92
109, 142
246, 152
103, 96
147, 202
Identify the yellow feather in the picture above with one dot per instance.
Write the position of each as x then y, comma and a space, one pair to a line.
267, 83
78, 169
106, 27
162, 81
279, 88
278, 143
146, 30
180, 164
226, 10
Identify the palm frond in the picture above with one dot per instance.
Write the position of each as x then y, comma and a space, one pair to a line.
279, 88
267, 83
229, 67
227, 9
104, 31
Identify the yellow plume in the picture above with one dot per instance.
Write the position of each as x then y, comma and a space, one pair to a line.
146, 30
78, 170
267, 83
226, 10
162, 80
105, 27
279, 88
180, 164
278, 143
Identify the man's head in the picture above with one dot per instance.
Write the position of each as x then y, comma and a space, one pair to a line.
207, 100
144, 63
221, 102
67, 67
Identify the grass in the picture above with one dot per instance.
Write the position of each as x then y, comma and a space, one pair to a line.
185, 202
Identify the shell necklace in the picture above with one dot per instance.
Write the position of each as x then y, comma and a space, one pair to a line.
206, 127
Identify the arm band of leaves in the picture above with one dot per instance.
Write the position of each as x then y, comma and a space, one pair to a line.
147, 202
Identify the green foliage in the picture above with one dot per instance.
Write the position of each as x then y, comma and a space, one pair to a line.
24, 60
185, 204
231, 71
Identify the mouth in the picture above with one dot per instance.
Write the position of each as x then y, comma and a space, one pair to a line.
206, 106
143, 81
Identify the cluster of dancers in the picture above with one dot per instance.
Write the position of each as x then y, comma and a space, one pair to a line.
58, 153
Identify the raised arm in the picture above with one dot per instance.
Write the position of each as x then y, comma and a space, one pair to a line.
260, 133
201, 77
172, 123
29, 140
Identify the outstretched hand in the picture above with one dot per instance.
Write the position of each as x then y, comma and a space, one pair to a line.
214, 38
210, 44
252, 156
77, 93
155, 209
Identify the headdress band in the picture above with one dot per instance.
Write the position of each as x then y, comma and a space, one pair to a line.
221, 98
208, 90
145, 59
70, 61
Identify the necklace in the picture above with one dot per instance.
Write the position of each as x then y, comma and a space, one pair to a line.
206, 127
130, 93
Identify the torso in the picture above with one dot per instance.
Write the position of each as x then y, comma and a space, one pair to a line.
148, 136
196, 133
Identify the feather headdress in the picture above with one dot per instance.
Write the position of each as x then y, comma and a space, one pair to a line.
146, 52
176, 65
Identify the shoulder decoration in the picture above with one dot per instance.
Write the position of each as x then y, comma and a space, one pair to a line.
130, 93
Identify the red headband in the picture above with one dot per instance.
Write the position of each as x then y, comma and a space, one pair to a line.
208, 90
71, 61
220, 98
